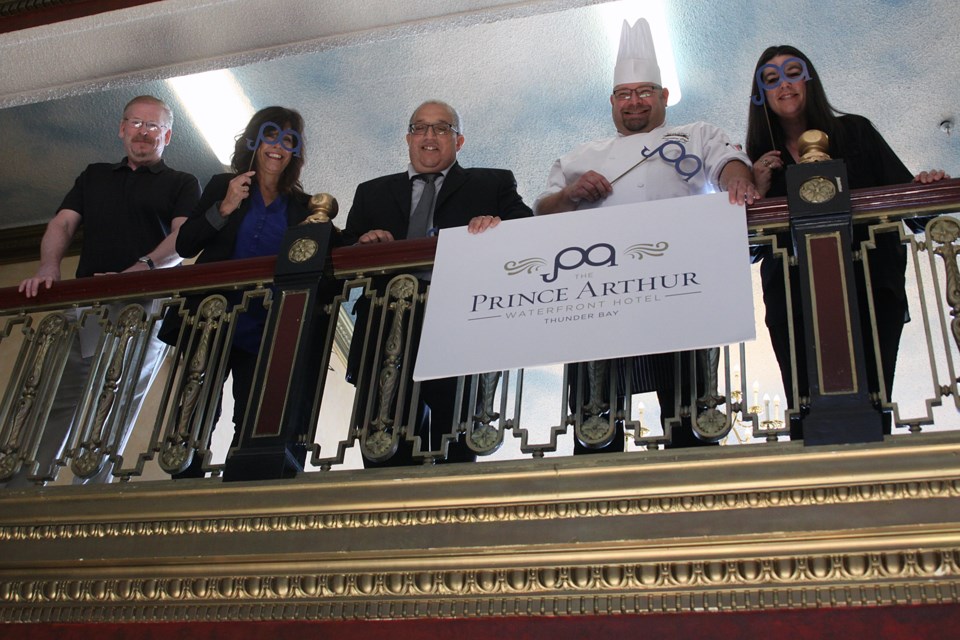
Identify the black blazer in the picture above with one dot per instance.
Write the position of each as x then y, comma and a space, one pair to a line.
198, 234
384, 202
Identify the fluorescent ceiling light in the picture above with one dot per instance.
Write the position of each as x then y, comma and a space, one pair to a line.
612, 15
218, 107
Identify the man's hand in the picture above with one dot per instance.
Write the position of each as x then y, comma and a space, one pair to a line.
45, 275
742, 190
376, 235
482, 223
53, 247
736, 179
929, 177
591, 187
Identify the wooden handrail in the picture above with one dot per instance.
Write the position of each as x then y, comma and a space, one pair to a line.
769, 214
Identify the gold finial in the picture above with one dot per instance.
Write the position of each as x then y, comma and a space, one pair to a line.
323, 208
813, 146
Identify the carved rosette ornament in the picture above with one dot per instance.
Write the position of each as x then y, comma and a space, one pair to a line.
302, 250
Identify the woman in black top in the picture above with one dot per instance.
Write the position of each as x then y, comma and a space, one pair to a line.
245, 214
788, 99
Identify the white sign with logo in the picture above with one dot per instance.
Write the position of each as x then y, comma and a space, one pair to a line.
652, 277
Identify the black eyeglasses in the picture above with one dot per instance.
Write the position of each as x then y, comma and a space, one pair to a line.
439, 128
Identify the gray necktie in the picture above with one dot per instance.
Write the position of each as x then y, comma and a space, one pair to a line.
420, 220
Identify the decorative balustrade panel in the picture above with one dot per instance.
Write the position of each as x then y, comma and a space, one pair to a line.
367, 410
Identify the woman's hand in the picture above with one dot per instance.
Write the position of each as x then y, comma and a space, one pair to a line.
763, 170
237, 191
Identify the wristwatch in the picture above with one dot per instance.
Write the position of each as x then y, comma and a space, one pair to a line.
147, 261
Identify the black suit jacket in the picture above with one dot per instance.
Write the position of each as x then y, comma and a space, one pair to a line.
384, 202
199, 234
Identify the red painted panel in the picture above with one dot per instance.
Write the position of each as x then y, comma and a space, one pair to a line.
832, 320
277, 384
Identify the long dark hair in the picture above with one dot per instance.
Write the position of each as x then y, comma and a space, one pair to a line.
243, 155
818, 111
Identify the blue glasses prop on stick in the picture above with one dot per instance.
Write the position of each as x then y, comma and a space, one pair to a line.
770, 76
273, 134
689, 159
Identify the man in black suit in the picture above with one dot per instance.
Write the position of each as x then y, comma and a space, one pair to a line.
398, 207
475, 197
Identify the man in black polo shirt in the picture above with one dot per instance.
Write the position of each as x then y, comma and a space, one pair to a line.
130, 212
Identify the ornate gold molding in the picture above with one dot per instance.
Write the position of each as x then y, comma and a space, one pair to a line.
917, 576
712, 502
750, 528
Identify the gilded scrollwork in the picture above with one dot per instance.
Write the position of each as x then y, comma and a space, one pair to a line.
596, 430
177, 452
51, 332
482, 436
711, 424
382, 440
945, 231
91, 453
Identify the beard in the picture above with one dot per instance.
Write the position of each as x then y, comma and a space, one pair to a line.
636, 124
141, 150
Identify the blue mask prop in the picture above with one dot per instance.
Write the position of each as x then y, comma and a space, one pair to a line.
692, 162
792, 70
271, 133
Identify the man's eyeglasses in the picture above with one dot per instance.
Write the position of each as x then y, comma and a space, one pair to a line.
643, 93
152, 127
439, 129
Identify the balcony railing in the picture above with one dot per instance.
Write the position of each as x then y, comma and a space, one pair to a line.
305, 420
527, 413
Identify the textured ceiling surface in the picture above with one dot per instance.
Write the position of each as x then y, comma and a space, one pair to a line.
531, 79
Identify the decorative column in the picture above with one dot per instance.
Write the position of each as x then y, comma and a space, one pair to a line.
818, 196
